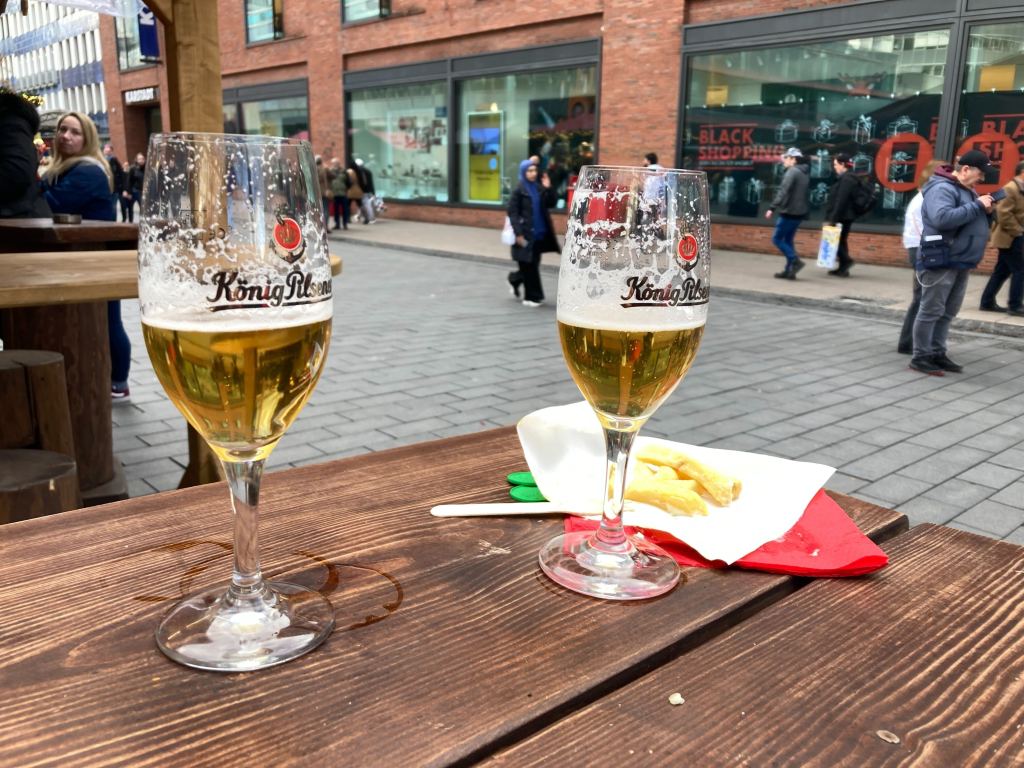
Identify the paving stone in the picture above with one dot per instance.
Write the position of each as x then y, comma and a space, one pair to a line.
992, 517
944, 464
895, 489
959, 493
925, 510
1012, 458
886, 461
991, 475
844, 483
1013, 496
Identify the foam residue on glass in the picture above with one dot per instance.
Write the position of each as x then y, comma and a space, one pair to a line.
627, 228
233, 224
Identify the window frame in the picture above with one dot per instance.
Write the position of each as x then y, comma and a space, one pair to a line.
277, 22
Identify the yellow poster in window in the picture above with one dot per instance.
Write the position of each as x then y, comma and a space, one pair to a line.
485, 142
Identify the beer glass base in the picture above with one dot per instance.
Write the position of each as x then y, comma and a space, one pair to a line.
220, 631
641, 570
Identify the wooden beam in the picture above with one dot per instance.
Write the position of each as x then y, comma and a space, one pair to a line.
194, 96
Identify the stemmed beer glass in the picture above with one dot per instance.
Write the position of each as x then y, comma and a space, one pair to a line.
235, 292
632, 301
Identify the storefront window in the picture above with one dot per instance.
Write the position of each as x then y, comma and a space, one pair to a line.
401, 133
873, 98
992, 104
231, 118
127, 31
264, 20
506, 118
277, 117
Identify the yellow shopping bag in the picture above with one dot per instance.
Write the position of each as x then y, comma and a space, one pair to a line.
828, 250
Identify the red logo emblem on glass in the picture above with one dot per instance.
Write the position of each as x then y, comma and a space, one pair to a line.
288, 239
688, 250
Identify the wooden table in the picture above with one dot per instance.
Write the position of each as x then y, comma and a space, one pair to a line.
922, 664
450, 642
41, 234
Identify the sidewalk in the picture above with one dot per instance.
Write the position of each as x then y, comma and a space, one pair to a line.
871, 289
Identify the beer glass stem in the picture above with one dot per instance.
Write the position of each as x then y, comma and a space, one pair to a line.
244, 480
618, 443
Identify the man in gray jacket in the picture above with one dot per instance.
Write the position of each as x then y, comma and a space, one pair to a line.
953, 214
790, 203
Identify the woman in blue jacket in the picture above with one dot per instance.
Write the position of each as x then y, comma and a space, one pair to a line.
79, 181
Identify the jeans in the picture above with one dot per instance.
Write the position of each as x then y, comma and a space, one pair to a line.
785, 231
1009, 265
906, 342
120, 346
942, 293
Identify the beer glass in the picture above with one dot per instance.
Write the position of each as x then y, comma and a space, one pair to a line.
632, 301
235, 293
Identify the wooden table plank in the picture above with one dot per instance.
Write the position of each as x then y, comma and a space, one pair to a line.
931, 650
41, 234
450, 642
67, 277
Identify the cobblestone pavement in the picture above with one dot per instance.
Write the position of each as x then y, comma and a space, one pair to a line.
427, 347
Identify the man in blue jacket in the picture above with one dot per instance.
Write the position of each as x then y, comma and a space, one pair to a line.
954, 214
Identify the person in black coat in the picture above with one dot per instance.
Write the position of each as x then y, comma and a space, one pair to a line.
529, 211
19, 161
839, 210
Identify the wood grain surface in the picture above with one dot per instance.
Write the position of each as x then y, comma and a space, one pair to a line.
34, 483
450, 643
921, 664
41, 234
64, 277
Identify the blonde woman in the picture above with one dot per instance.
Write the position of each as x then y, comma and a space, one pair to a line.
79, 181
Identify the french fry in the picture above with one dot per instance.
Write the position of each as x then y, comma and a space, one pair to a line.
720, 487
677, 497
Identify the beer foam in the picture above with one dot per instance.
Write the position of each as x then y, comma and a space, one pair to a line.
238, 320
635, 319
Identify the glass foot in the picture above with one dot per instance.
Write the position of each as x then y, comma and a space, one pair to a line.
634, 571
220, 631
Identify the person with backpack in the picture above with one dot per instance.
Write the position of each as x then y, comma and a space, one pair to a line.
840, 212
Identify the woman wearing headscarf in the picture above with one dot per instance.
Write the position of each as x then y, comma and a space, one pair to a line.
530, 215
79, 181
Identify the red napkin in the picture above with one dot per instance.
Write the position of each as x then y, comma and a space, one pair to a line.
824, 542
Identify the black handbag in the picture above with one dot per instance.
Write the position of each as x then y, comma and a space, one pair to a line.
934, 254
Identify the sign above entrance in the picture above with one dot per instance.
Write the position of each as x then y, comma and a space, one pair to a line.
142, 95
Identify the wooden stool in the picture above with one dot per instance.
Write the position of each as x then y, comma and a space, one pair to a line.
34, 483
35, 402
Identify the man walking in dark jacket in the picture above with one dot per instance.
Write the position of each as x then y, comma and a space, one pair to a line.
839, 210
790, 203
956, 218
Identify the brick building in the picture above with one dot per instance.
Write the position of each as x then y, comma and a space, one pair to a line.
443, 99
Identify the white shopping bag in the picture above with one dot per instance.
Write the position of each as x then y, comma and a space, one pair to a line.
508, 235
828, 251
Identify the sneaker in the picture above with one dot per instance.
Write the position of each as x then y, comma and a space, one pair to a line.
786, 274
993, 307
119, 393
797, 266
528, 303
925, 365
946, 364
842, 272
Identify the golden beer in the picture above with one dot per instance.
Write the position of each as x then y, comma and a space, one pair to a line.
240, 388
627, 373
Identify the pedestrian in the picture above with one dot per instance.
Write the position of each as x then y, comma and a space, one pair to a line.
954, 232
839, 210
19, 160
369, 193
80, 181
1008, 238
791, 204
325, 189
354, 193
339, 186
124, 195
136, 176
530, 215
911, 239
117, 173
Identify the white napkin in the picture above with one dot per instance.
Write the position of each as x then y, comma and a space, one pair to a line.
564, 448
